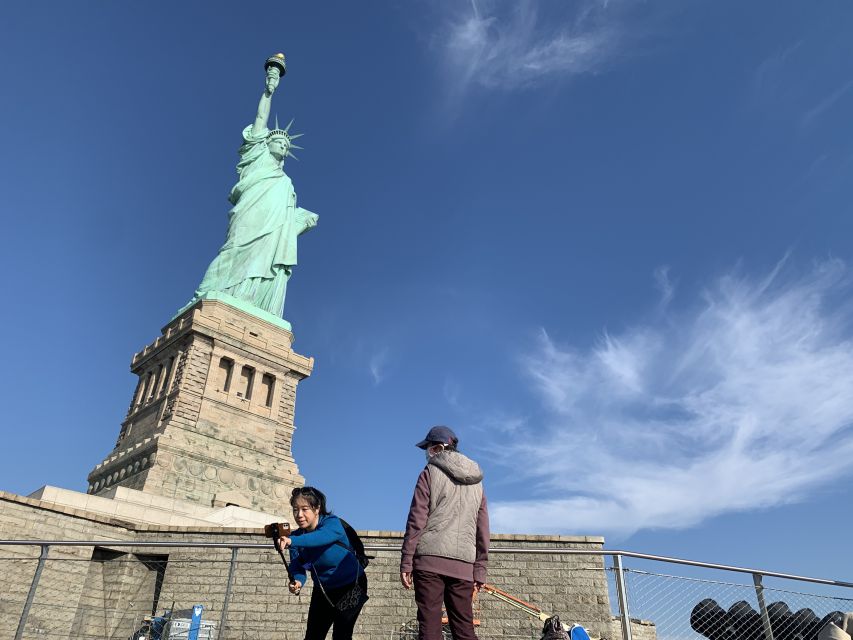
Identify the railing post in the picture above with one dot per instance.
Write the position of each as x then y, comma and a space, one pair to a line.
623, 597
762, 606
224, 618
32, 594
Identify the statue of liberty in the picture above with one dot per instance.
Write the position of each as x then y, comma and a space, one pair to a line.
259, 253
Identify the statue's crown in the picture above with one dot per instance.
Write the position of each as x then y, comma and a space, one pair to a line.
288, 137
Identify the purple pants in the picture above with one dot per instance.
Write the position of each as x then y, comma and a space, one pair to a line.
433, 589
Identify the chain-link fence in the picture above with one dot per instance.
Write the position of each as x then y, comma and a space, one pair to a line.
107, 594
409, 631
726, 605
135, 591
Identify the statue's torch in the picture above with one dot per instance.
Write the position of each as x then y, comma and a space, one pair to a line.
276, 65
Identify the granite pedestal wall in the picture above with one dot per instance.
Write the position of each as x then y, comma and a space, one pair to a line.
212, 417
105, 591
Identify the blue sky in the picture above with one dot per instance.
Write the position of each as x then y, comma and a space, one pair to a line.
609, 242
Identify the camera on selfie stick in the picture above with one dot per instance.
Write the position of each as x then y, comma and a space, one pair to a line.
275, 531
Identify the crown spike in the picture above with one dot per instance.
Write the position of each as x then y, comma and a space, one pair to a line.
285, 133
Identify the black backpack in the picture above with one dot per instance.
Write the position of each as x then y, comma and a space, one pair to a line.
355, 544
553, 630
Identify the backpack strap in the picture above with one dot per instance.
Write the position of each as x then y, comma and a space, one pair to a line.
346, 525
359, 567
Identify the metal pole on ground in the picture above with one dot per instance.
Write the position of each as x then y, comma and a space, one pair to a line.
224, 620
32, 594
762, 607
623, 597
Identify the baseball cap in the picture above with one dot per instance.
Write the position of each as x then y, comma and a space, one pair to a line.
439, 435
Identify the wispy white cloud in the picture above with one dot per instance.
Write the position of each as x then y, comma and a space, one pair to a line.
378, 363
500, 423
745, 402
779, 83
507, 44
771, 73
451, 391
664, 284
826, 104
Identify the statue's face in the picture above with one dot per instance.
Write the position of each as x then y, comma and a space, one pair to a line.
278, 148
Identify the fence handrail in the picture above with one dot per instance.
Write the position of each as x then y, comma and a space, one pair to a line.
394, 548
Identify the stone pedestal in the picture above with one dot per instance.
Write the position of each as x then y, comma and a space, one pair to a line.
211, 420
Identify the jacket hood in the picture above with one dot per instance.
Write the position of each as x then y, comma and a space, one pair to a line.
460, 468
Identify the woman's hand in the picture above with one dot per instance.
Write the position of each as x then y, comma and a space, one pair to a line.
295, 587
406, 579
283, 542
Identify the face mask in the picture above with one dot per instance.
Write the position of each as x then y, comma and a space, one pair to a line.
429, 455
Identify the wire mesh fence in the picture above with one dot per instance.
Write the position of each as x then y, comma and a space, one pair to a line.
409, 631
106, 594
122, 590
483, 607
145, 592
728, 607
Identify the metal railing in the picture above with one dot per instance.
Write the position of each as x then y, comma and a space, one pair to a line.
652, 604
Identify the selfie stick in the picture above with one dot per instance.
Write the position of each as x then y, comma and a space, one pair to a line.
275, 539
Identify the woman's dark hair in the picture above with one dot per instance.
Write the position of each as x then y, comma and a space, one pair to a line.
313, 497
447, 446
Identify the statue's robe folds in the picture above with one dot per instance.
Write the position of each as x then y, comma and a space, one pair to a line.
259, 252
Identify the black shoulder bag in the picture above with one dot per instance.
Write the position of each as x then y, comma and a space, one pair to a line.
354, 599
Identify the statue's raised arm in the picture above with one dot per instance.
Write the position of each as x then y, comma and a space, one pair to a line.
275, 69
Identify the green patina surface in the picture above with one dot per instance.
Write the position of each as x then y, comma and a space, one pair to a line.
253, 267
242, 305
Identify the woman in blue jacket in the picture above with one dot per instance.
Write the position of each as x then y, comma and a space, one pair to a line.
320, 547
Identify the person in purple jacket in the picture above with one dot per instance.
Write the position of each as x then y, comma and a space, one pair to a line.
446, 545
320, 547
